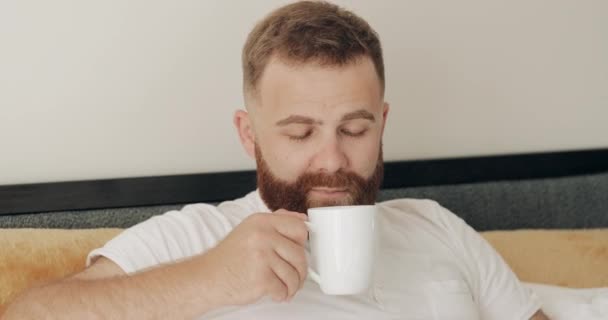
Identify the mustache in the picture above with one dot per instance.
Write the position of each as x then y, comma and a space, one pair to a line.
338, 180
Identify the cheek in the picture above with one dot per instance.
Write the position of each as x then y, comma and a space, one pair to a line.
363, 156
286, 163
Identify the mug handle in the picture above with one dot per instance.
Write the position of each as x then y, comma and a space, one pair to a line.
313, 274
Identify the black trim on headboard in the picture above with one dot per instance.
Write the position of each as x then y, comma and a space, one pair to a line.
213, 187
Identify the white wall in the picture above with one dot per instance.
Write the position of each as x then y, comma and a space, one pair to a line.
122, 88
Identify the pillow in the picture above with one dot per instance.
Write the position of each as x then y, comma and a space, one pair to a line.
569, 258
30, 257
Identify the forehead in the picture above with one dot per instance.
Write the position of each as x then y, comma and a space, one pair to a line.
311, 87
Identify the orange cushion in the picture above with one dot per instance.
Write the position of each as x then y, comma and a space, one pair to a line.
572, 258
569, 258
30, 257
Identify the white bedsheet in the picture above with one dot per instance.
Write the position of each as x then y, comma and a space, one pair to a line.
561, 303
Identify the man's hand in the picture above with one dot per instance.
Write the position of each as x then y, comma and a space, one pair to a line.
263, 255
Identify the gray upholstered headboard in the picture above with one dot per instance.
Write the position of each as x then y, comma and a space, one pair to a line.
551, 203
543, 190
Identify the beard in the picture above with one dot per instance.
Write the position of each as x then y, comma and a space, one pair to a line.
279, 194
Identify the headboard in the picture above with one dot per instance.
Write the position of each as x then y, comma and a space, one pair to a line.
566, 189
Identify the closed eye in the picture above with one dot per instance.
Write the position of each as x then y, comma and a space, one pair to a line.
301, 137
353, 133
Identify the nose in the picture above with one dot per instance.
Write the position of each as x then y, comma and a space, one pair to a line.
330, 157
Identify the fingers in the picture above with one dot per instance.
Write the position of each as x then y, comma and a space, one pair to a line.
279, 239
276, 288
294, 229
288, 276
294, 254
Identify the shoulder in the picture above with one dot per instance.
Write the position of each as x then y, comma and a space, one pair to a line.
421, 217
228, 212
174, 235
193, 221
418, 209
243, 207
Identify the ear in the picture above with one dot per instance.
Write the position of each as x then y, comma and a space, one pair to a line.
244, 127
385, 110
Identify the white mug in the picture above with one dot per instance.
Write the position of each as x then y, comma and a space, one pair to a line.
342, 245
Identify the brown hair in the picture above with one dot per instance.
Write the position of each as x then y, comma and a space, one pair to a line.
309, 31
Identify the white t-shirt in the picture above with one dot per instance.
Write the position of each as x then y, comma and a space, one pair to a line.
430, 265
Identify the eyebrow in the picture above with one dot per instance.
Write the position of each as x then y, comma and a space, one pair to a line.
359, 114
297, 119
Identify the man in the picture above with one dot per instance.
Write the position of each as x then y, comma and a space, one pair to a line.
314, 119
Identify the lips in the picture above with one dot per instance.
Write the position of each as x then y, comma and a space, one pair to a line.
329, 192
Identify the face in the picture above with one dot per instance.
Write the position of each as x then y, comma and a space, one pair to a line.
316, 134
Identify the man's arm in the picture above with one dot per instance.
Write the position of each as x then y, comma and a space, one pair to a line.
103, 291
539, 315
271, 244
